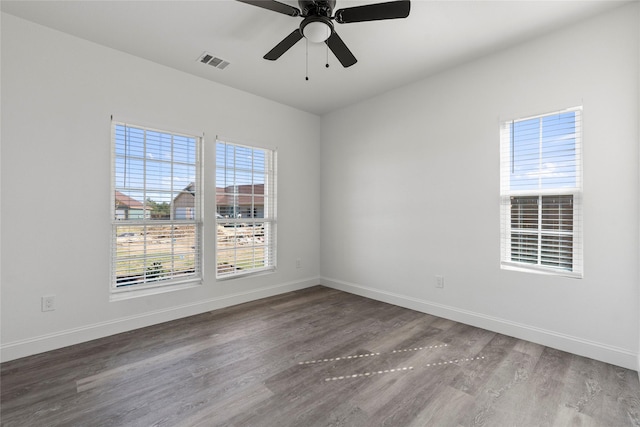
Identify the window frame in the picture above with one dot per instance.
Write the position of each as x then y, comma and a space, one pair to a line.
182, 281
269, 212
506, 195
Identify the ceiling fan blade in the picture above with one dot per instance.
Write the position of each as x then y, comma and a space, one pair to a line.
374, 12
274, 6
284, 45
340, 50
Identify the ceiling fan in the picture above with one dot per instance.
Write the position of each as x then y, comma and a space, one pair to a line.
317, 27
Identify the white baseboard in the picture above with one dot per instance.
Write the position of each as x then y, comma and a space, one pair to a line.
582, 347
42, 343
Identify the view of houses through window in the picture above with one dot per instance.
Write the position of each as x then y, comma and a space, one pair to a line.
156, 220
245, 209
157, 223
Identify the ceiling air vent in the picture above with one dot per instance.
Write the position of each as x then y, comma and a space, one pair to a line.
214, 61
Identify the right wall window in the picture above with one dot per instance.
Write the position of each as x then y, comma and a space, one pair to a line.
541, 193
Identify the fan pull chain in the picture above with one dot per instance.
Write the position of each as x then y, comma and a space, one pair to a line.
327, 65
307, 59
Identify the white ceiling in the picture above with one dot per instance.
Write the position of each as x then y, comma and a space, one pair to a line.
436, 35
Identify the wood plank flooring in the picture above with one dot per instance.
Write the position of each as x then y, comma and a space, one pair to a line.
316, 357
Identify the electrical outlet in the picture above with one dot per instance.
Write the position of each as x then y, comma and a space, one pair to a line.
439, 281
298, 263
48, 303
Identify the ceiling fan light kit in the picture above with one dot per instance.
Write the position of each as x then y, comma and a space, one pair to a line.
317, 26
316, 29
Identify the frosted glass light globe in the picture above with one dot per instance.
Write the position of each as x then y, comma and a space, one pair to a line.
316, 32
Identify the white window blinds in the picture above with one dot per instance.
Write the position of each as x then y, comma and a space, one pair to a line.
156, 202
541, 193
245, 209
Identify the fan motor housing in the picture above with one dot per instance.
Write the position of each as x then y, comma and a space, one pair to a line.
317, 7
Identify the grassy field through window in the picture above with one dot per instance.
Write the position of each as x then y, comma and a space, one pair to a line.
154, 252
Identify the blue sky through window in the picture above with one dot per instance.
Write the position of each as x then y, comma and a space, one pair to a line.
153, 165
238, 165
543, 152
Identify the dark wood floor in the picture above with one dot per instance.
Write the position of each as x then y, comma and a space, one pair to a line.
316, 357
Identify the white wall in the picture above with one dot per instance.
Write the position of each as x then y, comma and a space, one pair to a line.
410, 190
58, 93
638, 15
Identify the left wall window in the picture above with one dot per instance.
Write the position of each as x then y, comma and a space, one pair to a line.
156, 208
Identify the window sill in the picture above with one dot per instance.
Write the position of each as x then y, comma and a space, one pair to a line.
253, 273
539, 270
120, 294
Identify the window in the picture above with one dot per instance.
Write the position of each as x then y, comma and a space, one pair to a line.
245, 209
156, 220
541, 193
